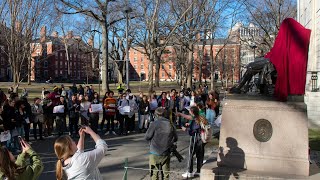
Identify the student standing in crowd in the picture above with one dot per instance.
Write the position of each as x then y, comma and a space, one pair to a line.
37, 112
60, 117
84, 109
11, 169
74, 109
94, 116
211, 105
47, 106
130, 125
196, 146
144, 113
123, 116
22, 120
73, 162
109, 104
153, 106
164, 103
9, 124
182, 103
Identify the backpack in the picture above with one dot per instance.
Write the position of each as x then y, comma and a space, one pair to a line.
206, 133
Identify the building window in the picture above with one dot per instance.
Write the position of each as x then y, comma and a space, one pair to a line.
56, 72
162, 66
60, 72
141, 59
134, 52
56, 64
60, 64
170, 67
45, 73
135, 59
170, 74
45, 64
162, 74
141, 66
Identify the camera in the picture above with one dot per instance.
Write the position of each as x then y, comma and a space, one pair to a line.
173, 150
81, 126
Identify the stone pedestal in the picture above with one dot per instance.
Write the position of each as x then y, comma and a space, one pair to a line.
264, 136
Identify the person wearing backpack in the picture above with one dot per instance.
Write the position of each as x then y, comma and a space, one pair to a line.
196, 146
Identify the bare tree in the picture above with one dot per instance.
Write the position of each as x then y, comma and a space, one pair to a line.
21, 21
268, 16
100, 12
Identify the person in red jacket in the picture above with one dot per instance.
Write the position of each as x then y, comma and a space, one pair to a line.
110, 111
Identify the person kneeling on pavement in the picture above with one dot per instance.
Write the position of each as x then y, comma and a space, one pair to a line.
161, 135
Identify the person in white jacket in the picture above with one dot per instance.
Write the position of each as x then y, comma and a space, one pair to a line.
73, 162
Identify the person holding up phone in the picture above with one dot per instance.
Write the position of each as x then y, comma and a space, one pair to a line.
11, 168
73, 162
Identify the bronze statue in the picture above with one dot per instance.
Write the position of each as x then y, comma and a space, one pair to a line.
265, 81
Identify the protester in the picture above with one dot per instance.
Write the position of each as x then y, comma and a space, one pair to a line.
144, 113
182, 103
130, 124
24, 93
73, 162
196, 146
60, 117
94, 115
153, 106
74, 109
164, 103
47, 106
84, 109
12, 169
161, 135
211, 105
22, 119
109, 104
9, 124
122, 116
38, 118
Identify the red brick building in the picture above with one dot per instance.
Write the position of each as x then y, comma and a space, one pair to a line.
227, 61
50, 58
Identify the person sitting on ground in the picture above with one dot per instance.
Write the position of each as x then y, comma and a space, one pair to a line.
10, 168
73, 162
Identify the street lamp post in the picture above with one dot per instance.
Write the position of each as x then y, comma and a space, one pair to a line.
127, 10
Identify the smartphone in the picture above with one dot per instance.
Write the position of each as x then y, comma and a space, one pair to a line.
20, 138
81, 126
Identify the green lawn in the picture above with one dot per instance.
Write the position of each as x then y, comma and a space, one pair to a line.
314, 139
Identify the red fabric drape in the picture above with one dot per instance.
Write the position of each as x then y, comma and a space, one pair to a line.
289, 55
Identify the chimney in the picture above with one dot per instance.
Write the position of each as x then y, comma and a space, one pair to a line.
70, 34
90, 41
18, 26
55, 34
43, 34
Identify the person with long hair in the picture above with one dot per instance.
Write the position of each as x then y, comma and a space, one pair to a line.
196, 146
94, 116
211, 104
12, 169
73, 162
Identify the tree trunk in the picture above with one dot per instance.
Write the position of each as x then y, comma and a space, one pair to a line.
201, 56
104, 65
29, 70
189, 69
150, 76
212, 68
157, 71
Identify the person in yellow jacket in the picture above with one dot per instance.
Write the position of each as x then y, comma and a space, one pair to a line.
12, 169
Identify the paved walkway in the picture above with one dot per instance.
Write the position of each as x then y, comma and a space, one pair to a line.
133, 147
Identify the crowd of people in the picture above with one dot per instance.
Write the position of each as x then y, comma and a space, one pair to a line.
184, 109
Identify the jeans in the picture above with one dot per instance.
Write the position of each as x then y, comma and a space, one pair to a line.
210, 116
143, 121
94, 121
159, 163
110, 120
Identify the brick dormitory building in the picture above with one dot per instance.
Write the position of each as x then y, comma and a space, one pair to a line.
227, 61
50, 58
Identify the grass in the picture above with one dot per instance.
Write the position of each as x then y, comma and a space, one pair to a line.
314, 139
35, 89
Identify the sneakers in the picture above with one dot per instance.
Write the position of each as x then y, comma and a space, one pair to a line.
107, 133
187, 175
114, 133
